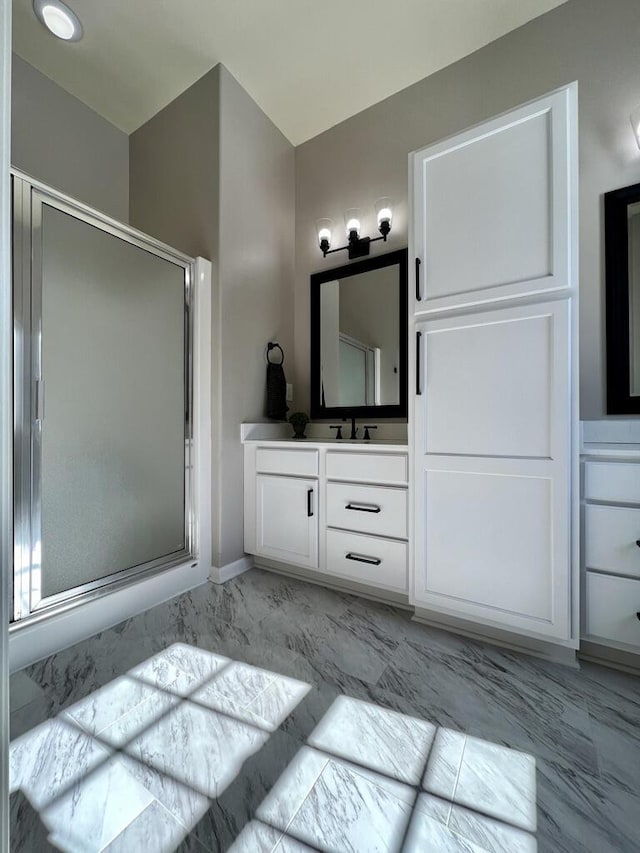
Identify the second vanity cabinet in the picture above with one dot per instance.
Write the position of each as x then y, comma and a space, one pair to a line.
340, 510
611, 540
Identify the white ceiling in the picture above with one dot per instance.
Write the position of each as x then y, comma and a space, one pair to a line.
308, 63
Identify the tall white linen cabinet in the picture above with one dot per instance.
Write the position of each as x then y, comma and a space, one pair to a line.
493, 328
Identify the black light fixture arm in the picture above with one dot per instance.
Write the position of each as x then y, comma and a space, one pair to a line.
358, 247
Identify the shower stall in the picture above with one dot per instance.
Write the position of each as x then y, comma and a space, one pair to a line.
103, 403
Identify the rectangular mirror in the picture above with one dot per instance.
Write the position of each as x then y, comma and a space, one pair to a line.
359, 339
622, 248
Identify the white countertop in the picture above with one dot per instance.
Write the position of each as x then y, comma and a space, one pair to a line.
388, 435
334, 444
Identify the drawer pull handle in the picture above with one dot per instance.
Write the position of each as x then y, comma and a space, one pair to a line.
418, 296
372, 561
309, 503
418, 364
363, 507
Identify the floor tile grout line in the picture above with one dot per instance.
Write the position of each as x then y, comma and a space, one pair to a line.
307, 795
455, 784
144, 808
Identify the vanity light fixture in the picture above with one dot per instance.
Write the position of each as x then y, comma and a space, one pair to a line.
59, 19
635, 124
357, 246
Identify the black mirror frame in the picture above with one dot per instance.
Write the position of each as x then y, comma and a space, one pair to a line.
616, 240
399, 410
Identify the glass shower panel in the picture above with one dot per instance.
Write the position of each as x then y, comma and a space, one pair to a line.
112, 435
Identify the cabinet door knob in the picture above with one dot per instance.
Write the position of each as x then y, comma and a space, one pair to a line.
372, 561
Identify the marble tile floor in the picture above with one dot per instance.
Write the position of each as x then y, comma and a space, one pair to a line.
270, 714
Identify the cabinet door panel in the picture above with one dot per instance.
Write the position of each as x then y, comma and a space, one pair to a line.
287, 519
483, 549
495, 214
493, 469
496, 402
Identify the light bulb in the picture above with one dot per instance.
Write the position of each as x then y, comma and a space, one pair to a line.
324, 228
384, 214
383, 208
352, 218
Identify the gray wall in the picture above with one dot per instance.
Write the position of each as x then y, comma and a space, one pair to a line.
213, 176
59, 140
365, 157
257, 196
174, 164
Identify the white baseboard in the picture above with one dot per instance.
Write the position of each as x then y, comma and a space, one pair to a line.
29, 643
397, 599
611, 657
223, 574
499, 637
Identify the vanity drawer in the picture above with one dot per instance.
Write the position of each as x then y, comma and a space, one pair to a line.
367, 509
367, 559
368, 467
611, 533
616, 482
278, 460
612, 608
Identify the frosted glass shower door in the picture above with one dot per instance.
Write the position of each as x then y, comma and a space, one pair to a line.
110, 437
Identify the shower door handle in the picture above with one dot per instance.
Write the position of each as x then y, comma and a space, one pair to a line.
39, 400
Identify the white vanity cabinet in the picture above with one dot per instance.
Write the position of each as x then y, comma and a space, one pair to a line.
610, 540
338, 510
281, 511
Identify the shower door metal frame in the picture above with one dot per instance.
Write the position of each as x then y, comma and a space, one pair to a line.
29, 198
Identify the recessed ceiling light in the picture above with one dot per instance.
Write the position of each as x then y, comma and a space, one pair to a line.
59, 19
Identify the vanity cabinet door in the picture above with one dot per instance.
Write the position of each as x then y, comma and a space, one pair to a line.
493, 468
287, 519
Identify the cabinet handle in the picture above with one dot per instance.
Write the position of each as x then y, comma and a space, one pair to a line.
638, 542
418, 296
638, 615
418, 361
372, 561
309, 503
363, 507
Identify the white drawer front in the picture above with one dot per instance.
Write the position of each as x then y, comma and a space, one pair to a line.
612, 608
367, 509
617, 482
611, 534
367, 559
275, 460
368, 467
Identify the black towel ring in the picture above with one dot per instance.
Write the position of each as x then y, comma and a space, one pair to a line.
271, 346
